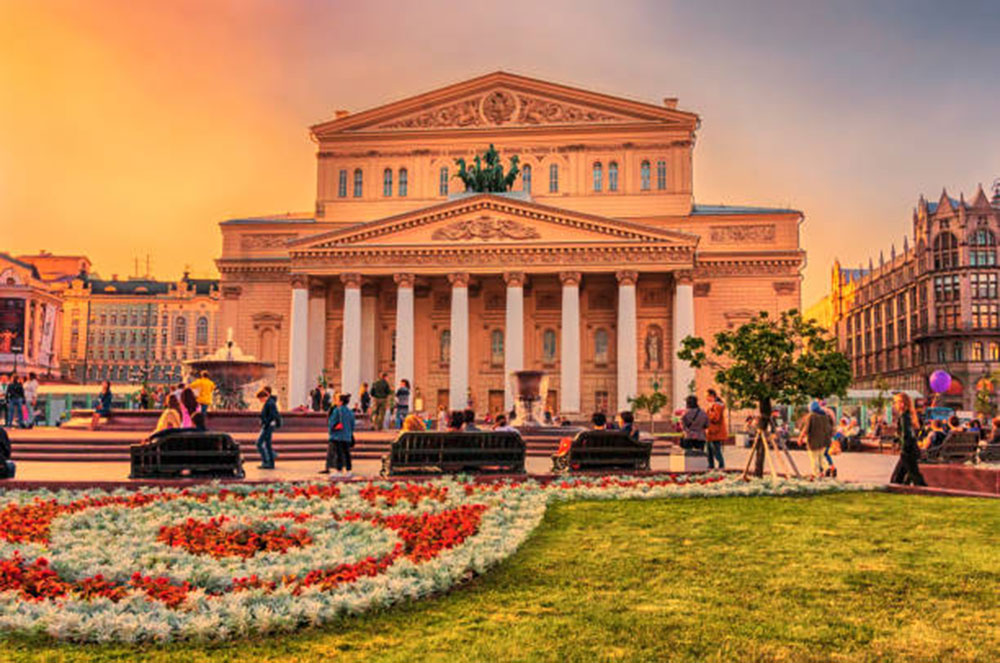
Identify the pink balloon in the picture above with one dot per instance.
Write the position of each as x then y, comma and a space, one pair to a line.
940, 382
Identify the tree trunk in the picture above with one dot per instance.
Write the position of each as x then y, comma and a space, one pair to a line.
764, 427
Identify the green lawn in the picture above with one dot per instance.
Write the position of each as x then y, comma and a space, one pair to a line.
846, 577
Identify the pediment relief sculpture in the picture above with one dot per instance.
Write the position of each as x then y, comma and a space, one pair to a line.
484, 228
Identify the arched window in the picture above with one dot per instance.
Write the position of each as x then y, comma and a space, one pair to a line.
180, 331
613, 176
443, 181
554, 178
359, 182
945, 251
404, 182
496, 347
983, 251
654, 348
201, 331
601, 346
342, 184
549, 345
661, 175
387, 182
444, 347
526, 178
644, 174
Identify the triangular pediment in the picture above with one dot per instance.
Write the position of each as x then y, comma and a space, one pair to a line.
486, 220
503, 100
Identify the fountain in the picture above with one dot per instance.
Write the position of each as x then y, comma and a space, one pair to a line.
233, 372
528, 387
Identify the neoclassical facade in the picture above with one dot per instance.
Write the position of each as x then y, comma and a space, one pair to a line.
592, 269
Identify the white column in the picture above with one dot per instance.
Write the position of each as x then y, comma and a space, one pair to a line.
627, 356
513, 358
458, 368
404, 327
298, 349
350, 358
683, 326
369, 349
316, 352
569, 358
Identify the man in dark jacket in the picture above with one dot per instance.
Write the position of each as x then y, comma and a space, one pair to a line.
270, 419
381, 391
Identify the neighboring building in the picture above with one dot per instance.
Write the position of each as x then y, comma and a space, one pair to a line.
592, 269
128, 330
934, 306
30, 312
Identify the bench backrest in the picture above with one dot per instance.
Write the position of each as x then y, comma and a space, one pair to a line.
185, 441
958, 446
419, 444
602, 443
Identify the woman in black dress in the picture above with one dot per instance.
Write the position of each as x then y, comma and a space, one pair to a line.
908, 468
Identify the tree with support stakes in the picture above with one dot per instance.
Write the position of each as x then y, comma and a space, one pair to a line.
769, 360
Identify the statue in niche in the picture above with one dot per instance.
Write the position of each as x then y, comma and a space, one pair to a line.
654, 348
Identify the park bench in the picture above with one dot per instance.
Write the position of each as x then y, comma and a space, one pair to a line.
176, 453
990, 453
958, 447
441, 451
602, 450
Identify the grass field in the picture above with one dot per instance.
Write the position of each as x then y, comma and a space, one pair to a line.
845, 577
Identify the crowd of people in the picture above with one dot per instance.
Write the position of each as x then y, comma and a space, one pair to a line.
18, 400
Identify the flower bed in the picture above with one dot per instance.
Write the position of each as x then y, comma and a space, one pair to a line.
223, 562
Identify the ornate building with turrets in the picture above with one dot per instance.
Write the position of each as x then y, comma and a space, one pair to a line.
932, 306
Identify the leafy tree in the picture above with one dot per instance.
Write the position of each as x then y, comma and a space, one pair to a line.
487, 175
768, 360
882, 397
651, 403
984, 397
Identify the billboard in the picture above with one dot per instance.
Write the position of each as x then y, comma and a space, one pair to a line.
11, 325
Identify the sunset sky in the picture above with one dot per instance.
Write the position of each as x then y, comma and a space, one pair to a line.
129, 128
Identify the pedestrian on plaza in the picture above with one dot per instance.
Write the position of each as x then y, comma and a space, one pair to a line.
31, 397
15, 400
380, 392
103, 408
316, 398
816, 435
626, 423
599, 421
189, 409
456, 421
442, 419
694, 423
907, 469
270, 419
341, 437
469, 421
203, 389
402, 401
500, 425
364, 399
716, 434
327, 403
5, 416
412, 423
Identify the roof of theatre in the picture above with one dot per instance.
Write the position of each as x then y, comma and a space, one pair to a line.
721, 210
21, 263
287, 217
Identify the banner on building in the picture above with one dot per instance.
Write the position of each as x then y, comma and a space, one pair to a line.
11, 325
48, 335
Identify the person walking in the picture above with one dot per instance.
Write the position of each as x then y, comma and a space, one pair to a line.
31, 397
816, 435
380, 392
204, 390
716, 434
4, 383
341, 430
103, 408
364, 399
694, 422
15, 400
270, 419
907, 469
402, 401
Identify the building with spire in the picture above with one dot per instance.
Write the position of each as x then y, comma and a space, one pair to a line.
933, 306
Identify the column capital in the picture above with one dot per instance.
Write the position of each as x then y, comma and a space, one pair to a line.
404, 279
627, 277
459, 279
299, 281
317, 288
684, 277
569, 278
351, 280
514, 279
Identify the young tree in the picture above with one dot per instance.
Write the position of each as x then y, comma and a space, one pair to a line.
881, 399
768, 360
651, 403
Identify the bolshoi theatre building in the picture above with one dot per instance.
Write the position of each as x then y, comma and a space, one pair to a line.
592, 268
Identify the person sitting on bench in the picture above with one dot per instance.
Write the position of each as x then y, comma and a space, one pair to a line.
171, 416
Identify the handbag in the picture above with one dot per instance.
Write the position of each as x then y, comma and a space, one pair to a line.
350, 445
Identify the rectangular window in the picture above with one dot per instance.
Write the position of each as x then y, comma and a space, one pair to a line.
977, 351
404, 182
598, 177
443, 182
661, 175
387, 182
359, 183
342, 184
553, 178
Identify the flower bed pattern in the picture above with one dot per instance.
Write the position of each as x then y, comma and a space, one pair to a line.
222, 562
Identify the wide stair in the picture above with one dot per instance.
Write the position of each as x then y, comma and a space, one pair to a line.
54, 445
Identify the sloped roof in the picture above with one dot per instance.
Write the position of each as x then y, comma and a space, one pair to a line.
721, 210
